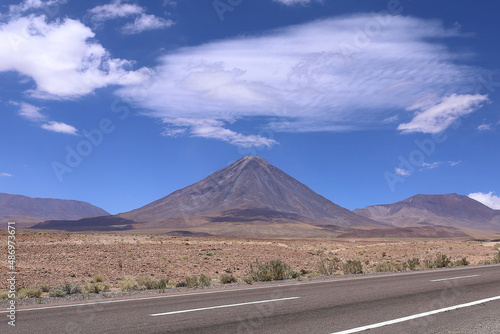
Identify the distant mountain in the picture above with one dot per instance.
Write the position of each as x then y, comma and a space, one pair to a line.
249, 198
26, 211
450, 210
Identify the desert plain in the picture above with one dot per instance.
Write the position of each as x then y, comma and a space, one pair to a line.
51, 259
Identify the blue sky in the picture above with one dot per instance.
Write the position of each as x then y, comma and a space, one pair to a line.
119, 103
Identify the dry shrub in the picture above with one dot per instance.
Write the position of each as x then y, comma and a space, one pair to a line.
352, 267
327, 267
227, 278
272, 270
30, 292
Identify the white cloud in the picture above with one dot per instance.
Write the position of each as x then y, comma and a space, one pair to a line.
438, 117
327, 75
296, 2
454, 163
391, 119
484, 127
60, 58
30, 111
214, 129
113, 10
28, 5
33, 114
146, 22
142, 21
432, 165
60, 128
6, 175
487, 199
402, 172
171, 3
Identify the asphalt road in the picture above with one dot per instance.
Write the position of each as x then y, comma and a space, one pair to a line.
415, 302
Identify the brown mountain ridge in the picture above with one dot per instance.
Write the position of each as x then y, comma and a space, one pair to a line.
26, 211
448, 210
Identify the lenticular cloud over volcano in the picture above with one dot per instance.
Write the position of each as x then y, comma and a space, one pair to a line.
320, 76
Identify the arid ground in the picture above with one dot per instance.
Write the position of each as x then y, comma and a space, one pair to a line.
51, 259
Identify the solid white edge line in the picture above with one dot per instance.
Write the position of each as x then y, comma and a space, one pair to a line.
223, 306
335, 280
446, 279
416, 316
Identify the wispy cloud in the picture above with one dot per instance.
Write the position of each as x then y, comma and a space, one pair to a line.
296, 2
391, 119
73, 64
316, 77
146, 22
485, 127
60, 128
114, 10
488, 199
29, 5
6, 175
214, 129
454, 163
432, 165
402, 172
118, 9
439, 116
29, 111
33, 114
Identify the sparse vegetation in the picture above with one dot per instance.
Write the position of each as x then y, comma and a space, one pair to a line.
496, 258
272, 270
192, 281
181, 284
227, 278
4, 294
352, 267
97, 287
98, 278
413, 263
57, 293
30, 292
205, 280
146, 283
162, 284
247, 280
383, 267
44, 287
327, 267
128, 284
462, 262
442, 261
70, 289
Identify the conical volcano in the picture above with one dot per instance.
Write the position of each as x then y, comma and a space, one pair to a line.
250, 189
248, 198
